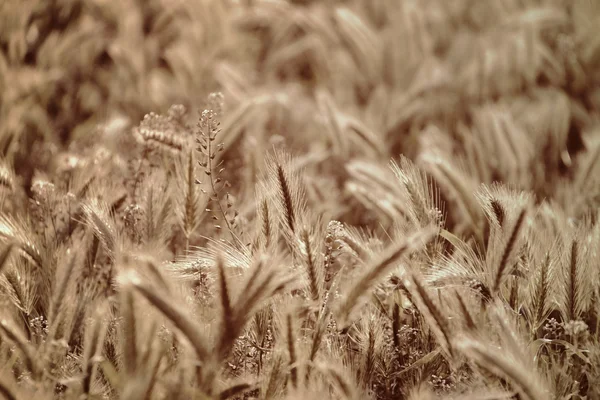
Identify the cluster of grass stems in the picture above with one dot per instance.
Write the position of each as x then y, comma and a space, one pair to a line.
382, 200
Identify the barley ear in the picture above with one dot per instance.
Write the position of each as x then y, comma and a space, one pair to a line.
573, 303
191, 202
542, 291
266, 227
314, 274
286, 199
507, 251
285, 183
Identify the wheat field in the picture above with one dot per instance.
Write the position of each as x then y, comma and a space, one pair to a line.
299, 199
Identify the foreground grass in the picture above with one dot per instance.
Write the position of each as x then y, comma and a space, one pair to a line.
377, 199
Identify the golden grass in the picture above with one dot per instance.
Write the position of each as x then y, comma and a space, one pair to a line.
280, 199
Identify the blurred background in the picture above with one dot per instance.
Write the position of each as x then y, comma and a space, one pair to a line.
503, 90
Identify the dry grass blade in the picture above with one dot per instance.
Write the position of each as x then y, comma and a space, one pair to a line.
365, 135
468, 318
189, 328
233, 391
319, 334
260, 286
92, 349
274, 378
7, 176
228, 314
360, 39
140, 386
378, 269
495, 362
291, 346
61, 288
333, 121
6, 391
4, 256
155, 271
342, 383
430, 310
26, 349
369, 347
129, 332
